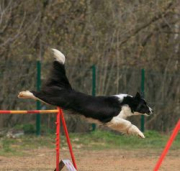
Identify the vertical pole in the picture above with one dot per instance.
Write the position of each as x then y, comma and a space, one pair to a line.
57, 139
93, 80
142, 91
93, 89
38, 104
67, 138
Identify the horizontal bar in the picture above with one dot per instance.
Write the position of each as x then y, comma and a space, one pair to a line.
27, 111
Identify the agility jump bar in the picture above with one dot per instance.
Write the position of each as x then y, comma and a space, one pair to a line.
27, 111
59, 117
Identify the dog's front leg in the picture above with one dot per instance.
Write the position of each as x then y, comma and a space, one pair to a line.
125, 127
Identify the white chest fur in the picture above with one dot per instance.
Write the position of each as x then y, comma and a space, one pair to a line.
125, 112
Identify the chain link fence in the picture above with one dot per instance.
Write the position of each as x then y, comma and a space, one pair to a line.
162, 93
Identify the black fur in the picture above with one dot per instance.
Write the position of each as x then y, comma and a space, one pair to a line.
57, 91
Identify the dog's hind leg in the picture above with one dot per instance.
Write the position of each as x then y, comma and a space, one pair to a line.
29, 95
26, 95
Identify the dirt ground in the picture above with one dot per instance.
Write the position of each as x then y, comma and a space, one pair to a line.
43, 159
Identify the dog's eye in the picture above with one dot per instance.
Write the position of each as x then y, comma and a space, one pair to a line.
143, 105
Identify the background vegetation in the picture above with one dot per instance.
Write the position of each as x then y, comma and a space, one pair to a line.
120, 37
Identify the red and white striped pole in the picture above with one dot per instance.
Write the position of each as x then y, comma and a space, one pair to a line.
168, 145
67, 138
57, 139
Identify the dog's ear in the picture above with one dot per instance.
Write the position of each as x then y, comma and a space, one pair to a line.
138, 96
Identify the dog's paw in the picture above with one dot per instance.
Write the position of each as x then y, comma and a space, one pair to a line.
141, 135
133, 130
25, 95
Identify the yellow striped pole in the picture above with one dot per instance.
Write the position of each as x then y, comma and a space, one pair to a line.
27, 111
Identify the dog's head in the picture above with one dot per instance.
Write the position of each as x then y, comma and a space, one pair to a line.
140, 106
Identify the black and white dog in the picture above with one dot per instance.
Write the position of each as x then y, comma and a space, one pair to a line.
111, 111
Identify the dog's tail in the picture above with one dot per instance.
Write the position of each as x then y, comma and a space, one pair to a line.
58, 56
58, 74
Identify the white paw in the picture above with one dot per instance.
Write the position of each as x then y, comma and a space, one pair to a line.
141, 135
26, 95
133, 130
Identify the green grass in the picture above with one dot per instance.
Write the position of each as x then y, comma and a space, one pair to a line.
97, 140
18, 146
102, 140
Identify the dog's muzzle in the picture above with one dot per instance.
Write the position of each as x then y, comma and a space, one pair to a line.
150, 111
